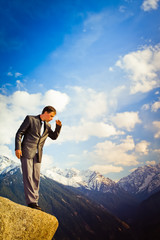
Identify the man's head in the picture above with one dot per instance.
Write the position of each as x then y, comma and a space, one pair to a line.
48, 113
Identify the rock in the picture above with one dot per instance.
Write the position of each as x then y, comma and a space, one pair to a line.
18, 222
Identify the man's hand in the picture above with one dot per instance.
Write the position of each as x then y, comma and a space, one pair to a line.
18, 153
58, 122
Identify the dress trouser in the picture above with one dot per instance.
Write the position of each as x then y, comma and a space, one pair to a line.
31, 178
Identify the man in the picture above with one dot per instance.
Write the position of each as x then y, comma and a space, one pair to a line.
34, 130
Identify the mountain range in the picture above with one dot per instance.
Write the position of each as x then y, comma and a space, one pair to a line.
79, 217
88, 205
142, 183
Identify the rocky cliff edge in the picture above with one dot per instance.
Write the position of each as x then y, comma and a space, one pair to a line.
18, 222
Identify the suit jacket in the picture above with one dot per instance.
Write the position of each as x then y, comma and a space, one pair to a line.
32, 141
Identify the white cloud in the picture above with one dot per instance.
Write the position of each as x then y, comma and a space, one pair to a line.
4, 87
146, 107
10, 74
126, 120
55, 98
96, 105
5, 151
142, 67
118, 154
142, 147
87, 112
122, 9
15, 107
105, 169
22, 103
111, 69
150, 5
87, 103
156, 125
157, 151
93, 27
47, 162
8, 120
19, 85
17, 74
151, 162
155, 106
86, 130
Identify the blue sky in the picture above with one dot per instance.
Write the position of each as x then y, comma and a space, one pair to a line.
98, 64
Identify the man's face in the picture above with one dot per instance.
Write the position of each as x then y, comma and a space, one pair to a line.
49, 116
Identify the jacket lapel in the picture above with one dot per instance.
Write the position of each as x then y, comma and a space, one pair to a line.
38, 125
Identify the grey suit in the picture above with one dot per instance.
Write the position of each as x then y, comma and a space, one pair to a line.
33, 141
29, 140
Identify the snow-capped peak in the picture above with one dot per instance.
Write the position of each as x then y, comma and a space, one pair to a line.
6, 164
86, 178
72, 172
142, 179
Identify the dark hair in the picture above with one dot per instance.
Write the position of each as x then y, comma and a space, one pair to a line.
49, 109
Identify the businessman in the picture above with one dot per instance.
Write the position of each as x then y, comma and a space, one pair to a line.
29, 142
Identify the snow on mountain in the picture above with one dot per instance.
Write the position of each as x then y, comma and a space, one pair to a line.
6, 164
143, 179
95, 181
72, 177
87, 179
62, 176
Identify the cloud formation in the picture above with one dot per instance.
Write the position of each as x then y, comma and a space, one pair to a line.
87, 112
88, 103
21, 103
87, 115
47, 162
142, 147
151, 163
149, 5
155, 106
55, 98
126, 120
105, 169
8, 153
142, 68
87, 129
156, 125
117, 154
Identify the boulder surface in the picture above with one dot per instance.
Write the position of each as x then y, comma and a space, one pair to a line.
18, 222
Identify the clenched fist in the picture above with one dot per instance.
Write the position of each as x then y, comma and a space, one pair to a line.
58, 122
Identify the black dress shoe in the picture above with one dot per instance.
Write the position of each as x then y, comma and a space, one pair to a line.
35, 206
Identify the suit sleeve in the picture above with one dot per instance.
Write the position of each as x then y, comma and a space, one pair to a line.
54, 134
21, 131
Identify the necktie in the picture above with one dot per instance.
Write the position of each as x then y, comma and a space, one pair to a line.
42, 128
